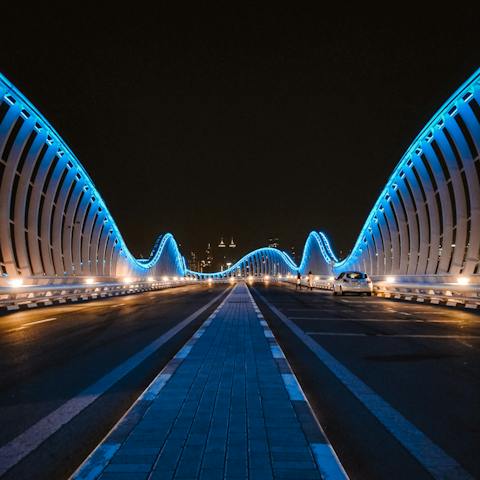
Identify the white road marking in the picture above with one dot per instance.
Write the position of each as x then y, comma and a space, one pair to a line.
25, 443
367, 302
316, 310
429, 312
386, 320
433, 458
29, 324
394, 335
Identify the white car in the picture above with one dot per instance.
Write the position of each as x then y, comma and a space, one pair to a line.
352, 282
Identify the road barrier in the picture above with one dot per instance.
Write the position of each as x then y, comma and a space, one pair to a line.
41, 292
449, 290
441, 290
438, 290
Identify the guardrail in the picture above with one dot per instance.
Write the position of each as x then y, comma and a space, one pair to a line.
446, 290
440, 290
35, 295
455, 291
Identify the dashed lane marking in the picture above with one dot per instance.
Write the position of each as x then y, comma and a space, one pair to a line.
29, 324
394, 335
387, 320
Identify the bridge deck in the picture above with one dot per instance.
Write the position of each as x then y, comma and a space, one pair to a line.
227, 406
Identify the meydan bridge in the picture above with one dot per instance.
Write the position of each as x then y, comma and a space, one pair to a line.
236, 374
56, 229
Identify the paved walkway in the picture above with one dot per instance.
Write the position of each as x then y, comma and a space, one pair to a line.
226, 407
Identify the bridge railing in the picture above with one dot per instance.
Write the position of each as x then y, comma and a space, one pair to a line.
44, 292
437, 289
448, 289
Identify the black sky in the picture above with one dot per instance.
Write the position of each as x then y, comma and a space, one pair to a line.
252, 123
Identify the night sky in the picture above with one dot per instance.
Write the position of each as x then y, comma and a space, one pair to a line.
252, 123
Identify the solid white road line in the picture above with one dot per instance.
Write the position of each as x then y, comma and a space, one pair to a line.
433, 458
25, 443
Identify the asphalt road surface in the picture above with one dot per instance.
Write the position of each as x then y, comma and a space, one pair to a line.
396, 385
68, 373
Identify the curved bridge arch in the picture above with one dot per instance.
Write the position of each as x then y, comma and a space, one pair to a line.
426, 221
53, 221
318, 257
258, 263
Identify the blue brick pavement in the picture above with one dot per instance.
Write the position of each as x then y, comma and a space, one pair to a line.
223, 414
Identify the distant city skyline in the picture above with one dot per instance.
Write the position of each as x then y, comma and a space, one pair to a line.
215, 257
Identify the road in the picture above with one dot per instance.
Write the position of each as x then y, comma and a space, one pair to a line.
59, 375
421, 362
395, 385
